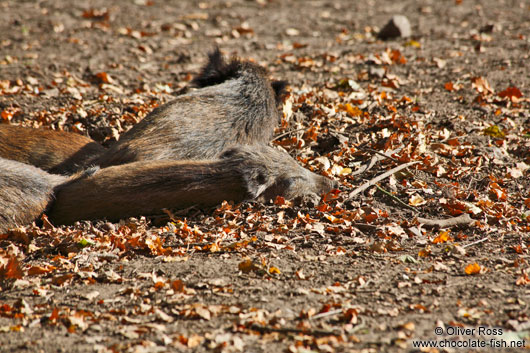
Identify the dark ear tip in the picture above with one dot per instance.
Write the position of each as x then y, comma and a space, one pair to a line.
215, 54
216, 70
280, 89
281, 84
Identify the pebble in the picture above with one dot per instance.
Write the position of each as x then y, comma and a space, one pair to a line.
398, 26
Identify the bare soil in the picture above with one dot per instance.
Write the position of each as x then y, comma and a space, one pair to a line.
358, 274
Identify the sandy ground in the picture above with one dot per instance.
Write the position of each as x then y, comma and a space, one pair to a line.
357, 274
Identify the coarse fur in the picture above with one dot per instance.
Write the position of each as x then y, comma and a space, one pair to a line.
269, 172
58, 152
146, 187
217, 71
25, 192
235, 104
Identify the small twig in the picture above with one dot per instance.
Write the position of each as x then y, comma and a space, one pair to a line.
388, 154
287, 133
325, 314
396, 198
446, 223
366, 168
379, 178
379, 157
359, 326
268, 329
475, 242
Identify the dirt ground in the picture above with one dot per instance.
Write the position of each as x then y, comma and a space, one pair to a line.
356, 273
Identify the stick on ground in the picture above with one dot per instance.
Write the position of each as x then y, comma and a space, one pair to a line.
379, 178
446, 223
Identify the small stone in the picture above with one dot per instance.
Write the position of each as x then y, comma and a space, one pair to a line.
398, 26
109, 227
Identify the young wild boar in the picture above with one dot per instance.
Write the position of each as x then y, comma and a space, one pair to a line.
58, 152
235, 104
145, 187
25, 192
241, 173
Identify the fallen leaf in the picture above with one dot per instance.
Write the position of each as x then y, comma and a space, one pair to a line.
494, 131
104, 77
39, 270
416, 200
203, 313
247, 266
274, 271
472, 269
513, 93
11, 270
481, 85
449, 86
442, 238
178, 286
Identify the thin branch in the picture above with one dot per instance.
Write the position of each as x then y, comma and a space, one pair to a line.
476, 242
388, 154
446, 223
378, 157
366, 168
287, 133
379, 178
327, 313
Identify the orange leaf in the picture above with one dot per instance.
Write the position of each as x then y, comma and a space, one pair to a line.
159, 285
247, 266
497, 192
350, 315
311, 133
39, 270
424, 252
104, 77
59, 280
178, 286
6, 116
453, 142
11, 270
472, 269
274, 271
369, 217
351, 110
324, 207
397, 57
442, 238
513, 93
280, 201
55, 314
449, 86
455, 207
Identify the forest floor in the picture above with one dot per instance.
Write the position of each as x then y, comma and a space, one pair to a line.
356, 273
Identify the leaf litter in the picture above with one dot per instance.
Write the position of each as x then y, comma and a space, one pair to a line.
443, 240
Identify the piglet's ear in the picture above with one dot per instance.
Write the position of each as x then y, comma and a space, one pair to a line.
216, 70
280, 90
